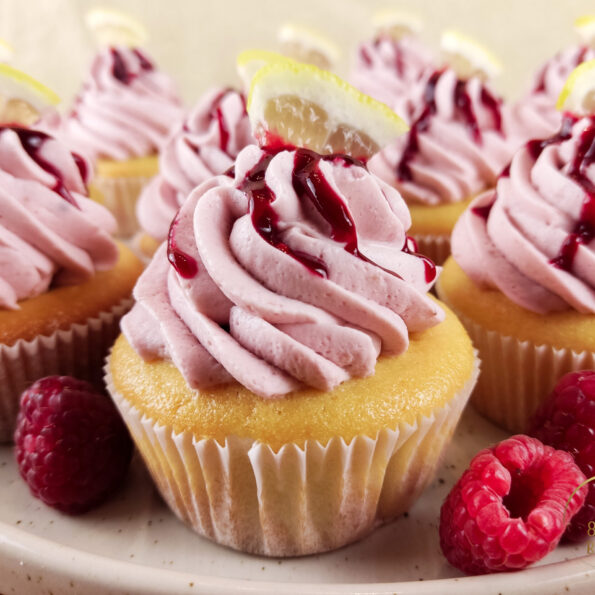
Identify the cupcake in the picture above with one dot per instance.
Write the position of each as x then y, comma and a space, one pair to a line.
204, 145
522, 273
284, 374
536, 112
121, 119
394, 66
457, 145
64, 283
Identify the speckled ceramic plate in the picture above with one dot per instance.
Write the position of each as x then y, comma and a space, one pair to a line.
135, 545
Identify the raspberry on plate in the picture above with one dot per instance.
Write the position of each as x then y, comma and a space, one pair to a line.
566, 420
510, 507
71, 445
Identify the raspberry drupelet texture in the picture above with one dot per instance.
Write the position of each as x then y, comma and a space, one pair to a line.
566, 421
71, 445
509, 508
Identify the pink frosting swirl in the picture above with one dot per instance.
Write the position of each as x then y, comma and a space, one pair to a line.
393, 71
296, 272
535, 114
457, 145
206, 144
533, 238
50, 232
125, 109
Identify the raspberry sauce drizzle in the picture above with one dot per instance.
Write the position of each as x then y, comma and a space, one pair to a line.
32, 141
183, 263
310, 184
119, 69
584, 229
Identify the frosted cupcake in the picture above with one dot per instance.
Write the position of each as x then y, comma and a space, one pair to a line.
206, 144
536, 114
457, 145
522, 276
64, 283
121, 119
394, 66
285, 375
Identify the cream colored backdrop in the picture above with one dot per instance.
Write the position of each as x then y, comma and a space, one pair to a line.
197, 40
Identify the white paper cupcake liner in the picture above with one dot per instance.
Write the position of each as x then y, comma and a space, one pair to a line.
119, 195
77, 351
517, 376
435, 247
299, 500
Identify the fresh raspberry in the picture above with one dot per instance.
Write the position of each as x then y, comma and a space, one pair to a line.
566, 421
509, 507
71, 445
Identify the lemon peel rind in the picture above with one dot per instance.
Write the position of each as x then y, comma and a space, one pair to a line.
45, 93
571, 84
290, 32
112, 26
477, 55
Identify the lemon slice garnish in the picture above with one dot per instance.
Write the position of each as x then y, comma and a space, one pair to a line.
112, 27
22, 98
249, 62
396, 24
6, 51
304, 106
308, 46
468, 57
585, 27
578, 94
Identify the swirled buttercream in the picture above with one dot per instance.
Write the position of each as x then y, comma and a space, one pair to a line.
533, 237
125, 109
457, 145
298, 271
206, 144
50, 232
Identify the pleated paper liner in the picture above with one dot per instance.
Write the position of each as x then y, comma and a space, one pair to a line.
517, 376
435, 247
77, 351
119, 195
301, 499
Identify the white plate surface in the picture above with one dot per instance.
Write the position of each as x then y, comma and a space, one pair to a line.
134, 545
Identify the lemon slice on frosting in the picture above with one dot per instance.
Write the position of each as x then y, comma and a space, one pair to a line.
249, 62
22, 98
6, 51
585, 27
396, 24
578, 93
468, 57
305, 45
301, 105
112, 27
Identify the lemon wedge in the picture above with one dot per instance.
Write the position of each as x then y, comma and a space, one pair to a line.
112, 27
249, 62
22, 98
6, 51
585, 27
468, 57
308, 46
301, 105
396, 24
578, 94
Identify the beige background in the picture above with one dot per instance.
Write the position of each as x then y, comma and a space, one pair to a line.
197, 40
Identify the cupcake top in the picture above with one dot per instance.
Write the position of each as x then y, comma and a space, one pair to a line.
295, 271
457, 145
206, 144
51, 234
125, 109
535, 114
393, 71
533, 237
